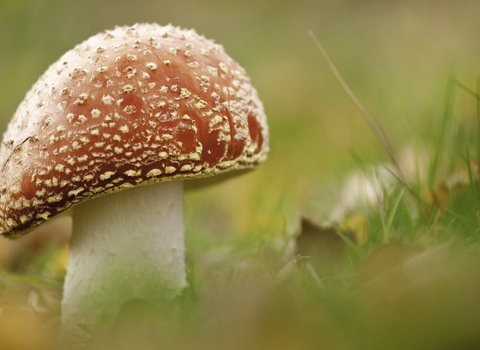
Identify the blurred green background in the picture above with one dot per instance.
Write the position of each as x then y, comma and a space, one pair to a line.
400, 58
396, 55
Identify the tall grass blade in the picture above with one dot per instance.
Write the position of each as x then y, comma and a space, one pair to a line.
447, 113
478, 117
391, 216
476, 95
372, 122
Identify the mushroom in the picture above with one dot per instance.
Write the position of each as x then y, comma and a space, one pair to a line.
132, 106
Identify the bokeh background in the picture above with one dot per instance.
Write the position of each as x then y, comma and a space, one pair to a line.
398, 56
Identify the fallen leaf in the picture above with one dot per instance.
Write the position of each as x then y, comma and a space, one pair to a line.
322, 244
385, 259
356, 227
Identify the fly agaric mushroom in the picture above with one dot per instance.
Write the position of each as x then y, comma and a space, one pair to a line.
128, 107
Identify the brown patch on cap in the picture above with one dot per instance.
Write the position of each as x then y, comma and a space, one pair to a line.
130, 106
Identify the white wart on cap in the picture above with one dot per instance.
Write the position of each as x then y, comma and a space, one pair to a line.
127, 107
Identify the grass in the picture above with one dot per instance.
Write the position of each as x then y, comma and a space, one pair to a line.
398, 269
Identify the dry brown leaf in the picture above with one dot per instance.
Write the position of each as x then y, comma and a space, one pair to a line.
385, 259
437, 198
356, 227
429, 298
322, 244
454, 186
460, 180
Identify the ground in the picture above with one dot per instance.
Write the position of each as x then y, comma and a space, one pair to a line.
392, 242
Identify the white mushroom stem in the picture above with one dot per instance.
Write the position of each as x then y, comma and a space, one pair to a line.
125, 246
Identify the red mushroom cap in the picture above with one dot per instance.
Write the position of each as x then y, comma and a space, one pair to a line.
130, 106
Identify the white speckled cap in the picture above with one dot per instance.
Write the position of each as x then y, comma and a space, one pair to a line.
130, 106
